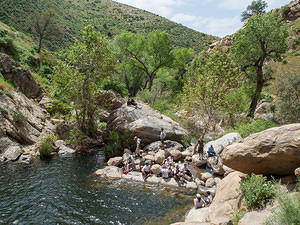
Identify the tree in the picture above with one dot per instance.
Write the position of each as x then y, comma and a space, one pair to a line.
145, 55
79, 74
263, 39
44, 24
255, 7
209, 82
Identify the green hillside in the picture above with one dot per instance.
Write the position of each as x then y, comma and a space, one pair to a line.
108, 17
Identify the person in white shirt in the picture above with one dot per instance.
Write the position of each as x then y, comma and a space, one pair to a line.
138, 147
162, 137
198, 202
146, 171
165, 172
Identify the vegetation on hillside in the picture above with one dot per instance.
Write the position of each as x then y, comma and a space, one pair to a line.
107, 17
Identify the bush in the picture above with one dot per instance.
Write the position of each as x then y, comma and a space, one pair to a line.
245, 129
257, 190
46, 146
116, 143
236, 217
45, 150
19, 118
288, 211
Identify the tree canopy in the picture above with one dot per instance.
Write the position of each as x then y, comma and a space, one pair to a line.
263, 39
79, 75
255, 7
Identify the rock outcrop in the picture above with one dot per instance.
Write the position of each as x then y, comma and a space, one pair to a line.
19, 76
225, 203
275, 151
144, 122
22, 123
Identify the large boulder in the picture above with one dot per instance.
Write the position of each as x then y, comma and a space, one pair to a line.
65, 151
12, 153
177, 155
197, 161
159, 157
216, 164
19, 76
144, 122
111, 172
110, 101
223, 142
226, 202
116, 161
275, 151
169, 146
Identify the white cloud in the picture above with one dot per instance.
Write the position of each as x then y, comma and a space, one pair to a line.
242, 4
160, 7
217, 26
183, 18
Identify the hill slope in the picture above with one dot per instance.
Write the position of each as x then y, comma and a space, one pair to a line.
108, 17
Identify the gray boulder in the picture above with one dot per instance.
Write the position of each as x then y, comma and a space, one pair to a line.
25, 158
65, 151
12, 153
169, 146
115, 161
223, 142
275, 151
144, 122
19, 76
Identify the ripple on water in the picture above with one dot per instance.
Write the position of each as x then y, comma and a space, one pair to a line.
62, 191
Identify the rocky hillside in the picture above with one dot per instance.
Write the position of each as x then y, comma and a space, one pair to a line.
108, 17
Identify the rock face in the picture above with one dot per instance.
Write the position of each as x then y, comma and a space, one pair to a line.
275, 151
11, 154
19, 76
144, 122
223, 142
22, 123
226, 201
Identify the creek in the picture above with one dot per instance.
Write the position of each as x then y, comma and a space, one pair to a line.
65, 191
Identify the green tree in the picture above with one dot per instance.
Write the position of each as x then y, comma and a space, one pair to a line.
79, 74
209, 82
262, 40
255, 7
146, 55
45, 24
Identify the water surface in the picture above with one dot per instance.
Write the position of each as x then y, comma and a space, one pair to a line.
64, 191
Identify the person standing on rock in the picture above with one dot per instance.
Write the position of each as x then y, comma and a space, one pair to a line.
138, 143
162, 137
199, 147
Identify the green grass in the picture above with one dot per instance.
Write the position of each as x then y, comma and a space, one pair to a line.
247, 128
108, 17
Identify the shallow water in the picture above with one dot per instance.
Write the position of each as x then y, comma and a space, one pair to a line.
63, 191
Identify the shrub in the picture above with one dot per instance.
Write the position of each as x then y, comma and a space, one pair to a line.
288, 211
245, 129
3, 111
236, 217
46, 146
19, 118
76, 137
257, 190
116, 143
45, 150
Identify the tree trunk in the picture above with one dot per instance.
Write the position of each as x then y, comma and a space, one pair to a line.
259, 87
40, 44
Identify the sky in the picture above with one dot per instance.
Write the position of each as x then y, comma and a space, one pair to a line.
215, 17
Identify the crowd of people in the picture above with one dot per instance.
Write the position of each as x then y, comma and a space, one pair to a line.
169, 169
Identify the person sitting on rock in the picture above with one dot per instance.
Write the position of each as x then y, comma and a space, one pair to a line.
164, 173
178, 175
171, 160
208, 199
138, 146
130, 164
186, 173
132, 102
198, 202
211, 151
146, 171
